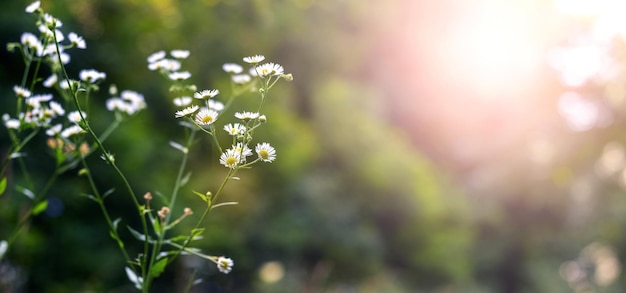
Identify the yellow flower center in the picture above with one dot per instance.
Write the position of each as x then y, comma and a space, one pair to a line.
264, 154
231, 161
207, 119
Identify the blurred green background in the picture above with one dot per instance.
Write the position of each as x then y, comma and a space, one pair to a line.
422, 147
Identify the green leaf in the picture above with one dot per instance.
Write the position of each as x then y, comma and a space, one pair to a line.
156, 224
26, 192
3, 185
185, 179
138, 235
116, 222
202, 196
39, 208
107, 193
158, 267
196, 232
178, 238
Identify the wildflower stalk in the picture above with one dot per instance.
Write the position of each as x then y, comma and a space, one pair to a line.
210, 203
99, 199
147, 276
107, 156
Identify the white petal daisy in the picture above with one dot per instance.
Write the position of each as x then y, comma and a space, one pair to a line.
268, 69
245, 116
50, 81
156, 56
243, 150
33, 7
216, 105
232, 68
74, 116
224, 264
266, 152
57, 108
21, 92
71, 131
206, 116
182, 101
241, 78
12, 123
180, 54
77, 41
235, 129
91, 75
230, 158
183, 75
206, 93
187, 111
254, 59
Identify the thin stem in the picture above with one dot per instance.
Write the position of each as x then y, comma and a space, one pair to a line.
230, 174
179, 177
106, 154
100, 201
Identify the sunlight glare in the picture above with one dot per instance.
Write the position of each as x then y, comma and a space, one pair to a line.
492, 50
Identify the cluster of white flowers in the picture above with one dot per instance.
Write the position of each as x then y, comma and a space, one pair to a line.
128, 102
40, 110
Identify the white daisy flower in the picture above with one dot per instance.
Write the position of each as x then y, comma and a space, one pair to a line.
21, 92
230, 158
36, 100
57, 108
187, 111
241, 78
54, 130
71, 131
235, 129
135, 99
91, 75
232, 68
77, 41
206, 93
224, 264
180, 54
216, 105
206, 116
166, 64
117, 104
33, 7
183, 75
50, 81
182, 101
74, 116
12, 123
49, 19
254, 59
156, 56
244, 151
245, 116
29, 40
72, 82
266, 152
268, 69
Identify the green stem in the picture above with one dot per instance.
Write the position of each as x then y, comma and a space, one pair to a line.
100, 201
179, 177
231, 173
106, 154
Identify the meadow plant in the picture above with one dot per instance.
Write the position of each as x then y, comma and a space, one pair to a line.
58, 107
